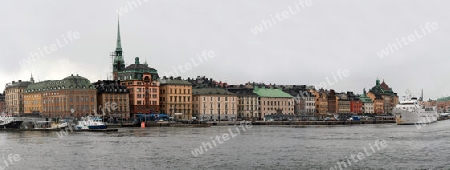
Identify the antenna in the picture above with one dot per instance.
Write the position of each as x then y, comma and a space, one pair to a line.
113, 55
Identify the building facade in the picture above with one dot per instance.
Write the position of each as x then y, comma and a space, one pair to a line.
214, 104
176, 98
14, 96
367, 103
247, 106
383, 97
343, 103
113, 99
274, 101
72, 96
2, 103
332, 102
321, 101
304, 100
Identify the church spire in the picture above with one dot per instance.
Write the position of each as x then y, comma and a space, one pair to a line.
119, 43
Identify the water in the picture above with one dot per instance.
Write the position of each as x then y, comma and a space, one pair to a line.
259, 147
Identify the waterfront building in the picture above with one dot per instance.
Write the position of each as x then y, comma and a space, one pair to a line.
214, 104
443, 104
273, 101
14, 96
113, 99
247, 106
141, 81
355, 103
381, 92
176, 97
72, 96
304, 100
2, 103
367, 103
321, 101
343, 103
332, 102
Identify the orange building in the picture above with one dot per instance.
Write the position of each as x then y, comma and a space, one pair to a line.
176, 98
72, 96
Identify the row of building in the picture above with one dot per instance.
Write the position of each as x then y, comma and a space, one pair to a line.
138, 89
203, 98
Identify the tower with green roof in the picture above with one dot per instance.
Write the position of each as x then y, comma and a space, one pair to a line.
118, 63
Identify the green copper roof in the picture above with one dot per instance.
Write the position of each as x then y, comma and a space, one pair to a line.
263, 92
70, 82
364, 98
443, 99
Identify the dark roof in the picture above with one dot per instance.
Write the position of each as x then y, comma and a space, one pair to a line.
110, 86
210, 90
242, 91
139, 67
18, 84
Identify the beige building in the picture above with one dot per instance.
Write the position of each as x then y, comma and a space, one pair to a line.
176, 98
14, 96
248, 107
212, 103
274, 101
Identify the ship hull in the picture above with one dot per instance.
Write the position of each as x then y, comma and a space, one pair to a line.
404, 117
11, 125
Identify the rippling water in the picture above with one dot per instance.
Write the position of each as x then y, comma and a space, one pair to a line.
260, 147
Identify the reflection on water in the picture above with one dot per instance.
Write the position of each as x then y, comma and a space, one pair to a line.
261, 147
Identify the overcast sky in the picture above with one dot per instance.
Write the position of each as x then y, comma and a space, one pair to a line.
307, 45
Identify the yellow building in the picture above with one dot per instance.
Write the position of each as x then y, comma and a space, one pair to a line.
176, 98
33, 102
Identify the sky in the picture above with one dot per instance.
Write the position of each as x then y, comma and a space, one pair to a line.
346, 44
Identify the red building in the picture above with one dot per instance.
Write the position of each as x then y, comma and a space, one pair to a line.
356, 106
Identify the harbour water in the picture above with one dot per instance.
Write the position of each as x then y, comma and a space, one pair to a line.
259, 147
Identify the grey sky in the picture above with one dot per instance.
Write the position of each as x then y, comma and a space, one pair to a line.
304, 48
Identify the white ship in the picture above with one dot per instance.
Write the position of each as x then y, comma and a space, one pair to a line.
412, 112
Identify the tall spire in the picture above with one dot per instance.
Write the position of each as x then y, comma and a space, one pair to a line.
119, 43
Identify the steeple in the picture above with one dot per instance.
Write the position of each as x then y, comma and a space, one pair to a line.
119, 43
118, 63
32, 79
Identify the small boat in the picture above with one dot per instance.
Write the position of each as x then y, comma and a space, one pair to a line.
91, 123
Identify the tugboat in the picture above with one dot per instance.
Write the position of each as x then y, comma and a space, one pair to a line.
412, 112
91, 123
9, 122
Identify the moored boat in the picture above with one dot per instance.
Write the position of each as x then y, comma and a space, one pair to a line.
410, 112
91, 123
8, 122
